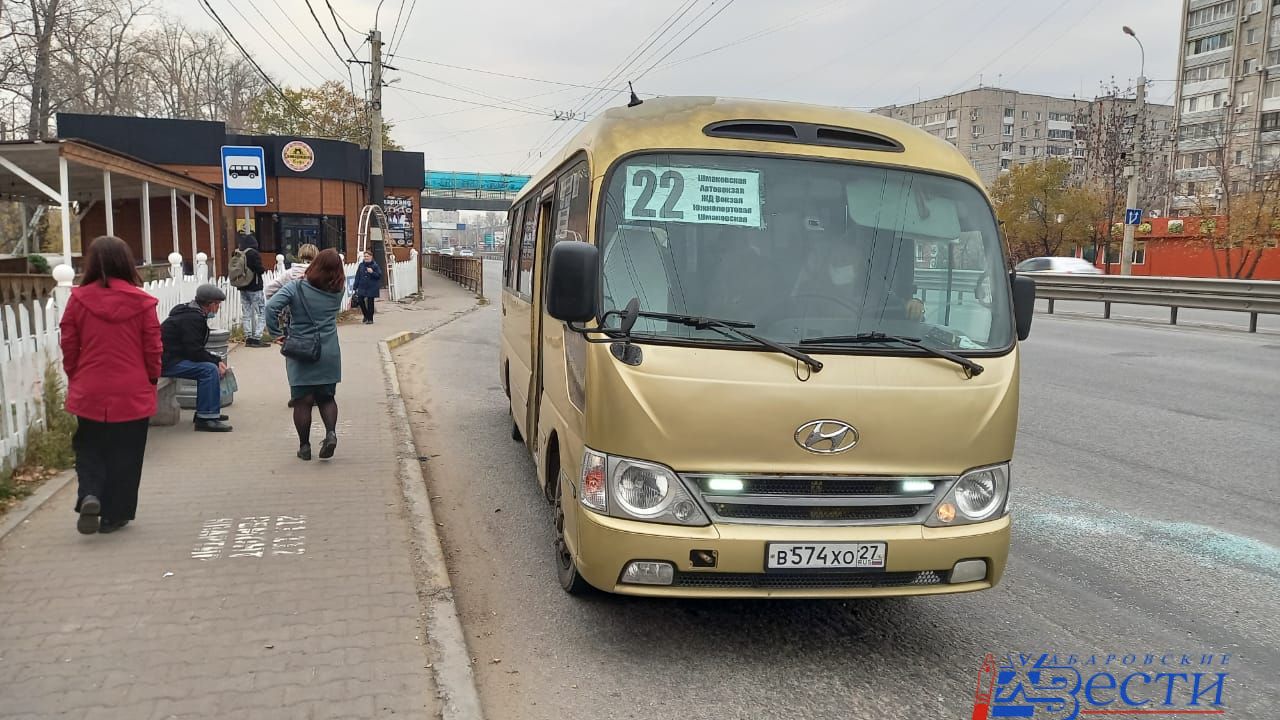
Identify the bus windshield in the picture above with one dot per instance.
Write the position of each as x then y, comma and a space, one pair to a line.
802, 249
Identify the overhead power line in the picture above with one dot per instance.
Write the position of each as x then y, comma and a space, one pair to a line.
792, 22
499, 98
275, 47
341, 34
473, 102
325, 33
622, 66
505, 75
395, 26
214, 14
588, 109
404, 29
289, 17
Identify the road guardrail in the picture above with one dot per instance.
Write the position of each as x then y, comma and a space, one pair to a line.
1255, 297
466, 271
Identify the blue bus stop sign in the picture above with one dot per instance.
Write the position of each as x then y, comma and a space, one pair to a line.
244, 176
1132, 216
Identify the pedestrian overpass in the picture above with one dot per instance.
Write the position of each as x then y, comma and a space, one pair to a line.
447, 190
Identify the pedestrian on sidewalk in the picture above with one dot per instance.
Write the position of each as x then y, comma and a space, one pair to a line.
245, 272
111, 354
313, 304
185, 334
367, 286
306, 253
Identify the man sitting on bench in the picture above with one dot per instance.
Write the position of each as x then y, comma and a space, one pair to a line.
184, 334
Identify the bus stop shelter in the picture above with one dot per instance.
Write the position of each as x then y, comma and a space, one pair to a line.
77, 177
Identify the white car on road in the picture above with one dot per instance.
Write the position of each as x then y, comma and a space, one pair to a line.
1057, 265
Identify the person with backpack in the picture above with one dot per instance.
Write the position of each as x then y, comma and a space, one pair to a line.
245, 272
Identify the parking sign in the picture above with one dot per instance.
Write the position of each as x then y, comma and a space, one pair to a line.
244, 176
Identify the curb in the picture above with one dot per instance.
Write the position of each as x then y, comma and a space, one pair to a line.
446, 642
18, 515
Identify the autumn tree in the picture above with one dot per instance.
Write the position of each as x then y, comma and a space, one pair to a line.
328, 111
1107, 127
94, 56
1245, 194
1041, 213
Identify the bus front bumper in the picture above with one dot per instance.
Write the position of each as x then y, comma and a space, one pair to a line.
918, 561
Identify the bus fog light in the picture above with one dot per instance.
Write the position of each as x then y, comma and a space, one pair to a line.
946, 512
649, 573
969, 571
683, 510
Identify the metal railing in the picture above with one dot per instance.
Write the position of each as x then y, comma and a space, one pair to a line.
1255, 297
466, 271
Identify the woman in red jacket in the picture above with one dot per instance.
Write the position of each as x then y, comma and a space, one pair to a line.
111, 353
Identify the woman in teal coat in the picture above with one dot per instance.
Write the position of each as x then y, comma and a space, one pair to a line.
313, 303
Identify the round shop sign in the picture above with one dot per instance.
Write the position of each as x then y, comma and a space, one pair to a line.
298, 156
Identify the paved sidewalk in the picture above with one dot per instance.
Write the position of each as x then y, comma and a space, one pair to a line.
252, 584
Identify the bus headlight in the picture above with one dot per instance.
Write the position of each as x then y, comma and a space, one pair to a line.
979, 495
637, 490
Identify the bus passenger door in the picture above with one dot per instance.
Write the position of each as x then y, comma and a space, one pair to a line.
545, 230
517, 312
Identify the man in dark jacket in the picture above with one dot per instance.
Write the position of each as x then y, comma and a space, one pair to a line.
184, 334
251, 301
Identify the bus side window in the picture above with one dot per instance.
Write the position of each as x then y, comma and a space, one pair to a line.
524, 259
513, 248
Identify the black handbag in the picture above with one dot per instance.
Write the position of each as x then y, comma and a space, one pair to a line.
303, 348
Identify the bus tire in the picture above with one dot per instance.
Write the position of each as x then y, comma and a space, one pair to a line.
566, 569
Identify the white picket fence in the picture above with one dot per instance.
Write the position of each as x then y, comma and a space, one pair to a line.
29, 336
30, 343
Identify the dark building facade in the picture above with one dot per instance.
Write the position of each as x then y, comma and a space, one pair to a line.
316, 188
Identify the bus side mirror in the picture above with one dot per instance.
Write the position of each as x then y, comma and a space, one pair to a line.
573, 281
1024, 302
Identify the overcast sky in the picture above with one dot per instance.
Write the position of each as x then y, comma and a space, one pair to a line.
853, 53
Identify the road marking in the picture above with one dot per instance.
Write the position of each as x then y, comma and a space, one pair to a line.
254, 537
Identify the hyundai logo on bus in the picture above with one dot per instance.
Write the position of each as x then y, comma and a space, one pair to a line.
826, 437
244, 177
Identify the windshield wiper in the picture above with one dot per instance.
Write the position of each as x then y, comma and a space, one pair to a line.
878, 337
730, 328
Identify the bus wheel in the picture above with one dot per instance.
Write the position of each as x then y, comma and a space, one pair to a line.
566, 568
515, 430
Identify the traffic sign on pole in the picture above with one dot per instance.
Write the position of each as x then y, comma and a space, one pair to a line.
1132, 216
244, 176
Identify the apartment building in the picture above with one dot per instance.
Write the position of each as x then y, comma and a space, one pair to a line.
1228, 100
997, 129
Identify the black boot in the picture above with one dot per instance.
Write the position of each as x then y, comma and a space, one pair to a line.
90, 506
223, 418
210, 425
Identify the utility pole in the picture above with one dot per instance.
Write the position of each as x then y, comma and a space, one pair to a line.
1131, 199
377, 242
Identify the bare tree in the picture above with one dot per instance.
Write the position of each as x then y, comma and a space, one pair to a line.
93, 56
1245, 195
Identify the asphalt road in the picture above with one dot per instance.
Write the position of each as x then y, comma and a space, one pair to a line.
1145, 522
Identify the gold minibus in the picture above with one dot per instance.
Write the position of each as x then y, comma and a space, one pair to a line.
764, 349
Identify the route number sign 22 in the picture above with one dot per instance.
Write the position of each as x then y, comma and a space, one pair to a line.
693, 195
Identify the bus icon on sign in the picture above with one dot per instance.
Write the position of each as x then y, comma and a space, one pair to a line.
237, 171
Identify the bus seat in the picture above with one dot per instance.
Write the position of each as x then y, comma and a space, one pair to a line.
637, 263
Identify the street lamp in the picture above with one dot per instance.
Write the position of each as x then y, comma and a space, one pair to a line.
1143, 72
1131, 199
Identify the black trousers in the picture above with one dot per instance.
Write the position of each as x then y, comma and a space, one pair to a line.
109, 464
366, 306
